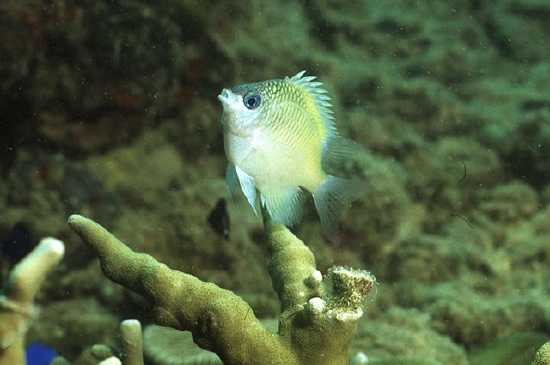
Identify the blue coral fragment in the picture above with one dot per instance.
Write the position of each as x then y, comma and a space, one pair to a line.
38, 353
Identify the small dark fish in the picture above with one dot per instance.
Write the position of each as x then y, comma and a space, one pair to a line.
218, 218
18, 244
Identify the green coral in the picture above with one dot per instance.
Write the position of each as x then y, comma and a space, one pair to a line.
542, 356
349, 288
516, 349
318, 319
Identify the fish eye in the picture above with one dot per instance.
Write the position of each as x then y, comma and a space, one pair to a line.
252, 101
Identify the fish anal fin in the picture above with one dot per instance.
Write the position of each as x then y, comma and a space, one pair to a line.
286, 207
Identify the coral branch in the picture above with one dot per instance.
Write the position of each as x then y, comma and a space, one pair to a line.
17, 298
132, 342
314, 327
219, 320
318, 319
542, 356
292, 267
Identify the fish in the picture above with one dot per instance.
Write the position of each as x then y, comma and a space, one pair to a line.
279, 139
218, 218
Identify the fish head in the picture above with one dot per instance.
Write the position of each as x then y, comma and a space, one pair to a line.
244, 107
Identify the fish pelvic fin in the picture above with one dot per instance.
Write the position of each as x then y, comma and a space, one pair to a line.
332, 196
285, 208
231, 179
248, 186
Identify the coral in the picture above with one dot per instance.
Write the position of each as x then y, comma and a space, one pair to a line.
63, 327
132, 342
516, 349
542, 356
318, 317
17, 298
403, 335
167, 346
111, 361
131, 352
359, 359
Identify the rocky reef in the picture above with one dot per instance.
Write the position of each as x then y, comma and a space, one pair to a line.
109, 111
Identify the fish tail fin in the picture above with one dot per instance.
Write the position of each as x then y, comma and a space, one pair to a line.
331, 197
285, 208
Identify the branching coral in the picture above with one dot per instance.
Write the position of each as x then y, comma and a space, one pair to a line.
543, 355
318, 317
132, 342
131, 350
17, 298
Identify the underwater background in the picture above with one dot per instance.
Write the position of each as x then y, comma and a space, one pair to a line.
109, 110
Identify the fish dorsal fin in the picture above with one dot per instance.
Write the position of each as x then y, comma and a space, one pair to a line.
319, 96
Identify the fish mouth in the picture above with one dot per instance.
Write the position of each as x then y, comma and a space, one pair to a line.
224, 96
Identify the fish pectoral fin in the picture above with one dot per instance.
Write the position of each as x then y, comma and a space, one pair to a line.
248, 186
285, 208
231, 179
